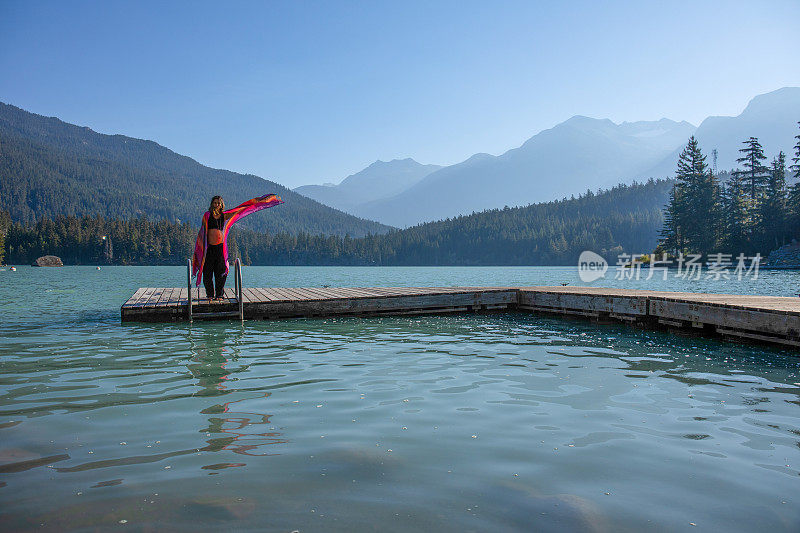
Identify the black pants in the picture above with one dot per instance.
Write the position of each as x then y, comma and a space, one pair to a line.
214, 265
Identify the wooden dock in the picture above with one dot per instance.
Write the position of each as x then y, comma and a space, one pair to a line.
770, 319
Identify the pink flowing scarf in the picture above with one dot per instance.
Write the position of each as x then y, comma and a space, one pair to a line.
231, 216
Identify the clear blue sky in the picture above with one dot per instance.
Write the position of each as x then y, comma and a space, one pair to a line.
306, 92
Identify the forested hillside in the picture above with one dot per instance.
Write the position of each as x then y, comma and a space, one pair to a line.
49, 168
625, 218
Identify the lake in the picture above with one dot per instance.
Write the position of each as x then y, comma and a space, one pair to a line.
471, 422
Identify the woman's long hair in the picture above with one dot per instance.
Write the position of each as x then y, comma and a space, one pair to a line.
221, 204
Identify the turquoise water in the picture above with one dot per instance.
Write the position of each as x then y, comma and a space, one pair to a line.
489, 422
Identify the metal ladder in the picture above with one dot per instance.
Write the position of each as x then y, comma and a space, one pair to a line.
237, 279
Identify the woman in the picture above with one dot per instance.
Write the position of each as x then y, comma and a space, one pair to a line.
211, 250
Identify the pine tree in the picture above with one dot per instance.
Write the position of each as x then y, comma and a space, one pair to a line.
755, 173
793, 201
772, 221
693, 202
671, 236
707, 215
735, 217
793, 209
796, 159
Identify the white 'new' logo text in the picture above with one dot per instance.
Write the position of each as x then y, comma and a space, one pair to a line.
591, 266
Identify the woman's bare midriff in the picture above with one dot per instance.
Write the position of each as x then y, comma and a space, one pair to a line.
214, 236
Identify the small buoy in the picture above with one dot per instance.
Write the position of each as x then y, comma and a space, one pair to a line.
13, 269
98, 268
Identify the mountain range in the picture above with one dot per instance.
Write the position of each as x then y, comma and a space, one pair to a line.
382, 179
579, 154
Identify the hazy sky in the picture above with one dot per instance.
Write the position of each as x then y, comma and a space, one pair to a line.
306, 92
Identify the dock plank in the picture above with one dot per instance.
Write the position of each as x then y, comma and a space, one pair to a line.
382, 291
248, 296
166, 294
154, 296
305, 293
135, 298
172, 297
146, 295
229, 295
262, 295
333, 293
320, 294
182, 298
280, 294
356, 292
298, 293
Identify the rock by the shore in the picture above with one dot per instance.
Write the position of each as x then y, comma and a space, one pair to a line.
787, 256
48, 261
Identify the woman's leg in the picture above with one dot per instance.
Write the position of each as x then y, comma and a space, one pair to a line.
219, 274
208, 272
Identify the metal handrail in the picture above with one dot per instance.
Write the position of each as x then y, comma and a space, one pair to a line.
237, 280
236, 268
237, 276
189, 284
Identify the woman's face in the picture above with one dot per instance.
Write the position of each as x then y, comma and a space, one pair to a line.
216, 204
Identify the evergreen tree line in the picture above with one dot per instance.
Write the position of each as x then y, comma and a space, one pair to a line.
751, 210
5, 222
626, 218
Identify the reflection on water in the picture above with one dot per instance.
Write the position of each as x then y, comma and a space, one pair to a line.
500, 422
245, 432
